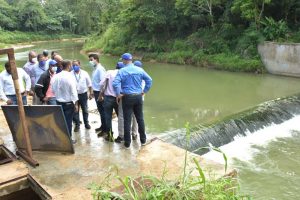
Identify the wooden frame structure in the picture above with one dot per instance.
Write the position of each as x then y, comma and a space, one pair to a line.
27, 154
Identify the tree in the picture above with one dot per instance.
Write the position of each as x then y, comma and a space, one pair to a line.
198, 7
251, 10
31, 15
7, 18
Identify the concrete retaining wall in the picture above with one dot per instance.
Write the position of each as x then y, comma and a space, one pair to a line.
281, 59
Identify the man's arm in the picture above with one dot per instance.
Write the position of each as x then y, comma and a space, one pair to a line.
26, 79
38, 88
2, 94
148, 82
117, 83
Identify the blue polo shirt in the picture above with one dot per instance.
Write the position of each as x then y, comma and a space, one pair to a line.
129, 80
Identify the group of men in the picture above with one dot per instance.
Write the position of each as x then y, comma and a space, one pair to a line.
54, 81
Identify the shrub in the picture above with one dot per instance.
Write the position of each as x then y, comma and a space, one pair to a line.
275, 30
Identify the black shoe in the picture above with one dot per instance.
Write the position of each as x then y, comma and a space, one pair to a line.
127, 145
119, 139
102, 133
143, 142
109, 138
134, 136
98, 129
76, 129
87, 126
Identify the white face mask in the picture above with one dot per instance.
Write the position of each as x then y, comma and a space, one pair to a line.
34, 60
54, 69
92, 63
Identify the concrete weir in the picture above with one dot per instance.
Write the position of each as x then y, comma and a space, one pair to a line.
281, 59
67, 176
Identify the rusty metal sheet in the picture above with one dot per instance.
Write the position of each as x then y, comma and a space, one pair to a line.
47, 127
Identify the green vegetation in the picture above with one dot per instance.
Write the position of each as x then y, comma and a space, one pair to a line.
189, 186
13, 37
211, 33
55, 16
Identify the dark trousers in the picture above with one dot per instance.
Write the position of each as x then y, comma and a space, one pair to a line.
68, 110
133, 104
14, 99
100, 109
109, 104
82, 101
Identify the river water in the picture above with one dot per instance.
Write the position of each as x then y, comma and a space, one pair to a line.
268, 169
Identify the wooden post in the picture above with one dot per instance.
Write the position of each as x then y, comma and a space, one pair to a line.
14, 74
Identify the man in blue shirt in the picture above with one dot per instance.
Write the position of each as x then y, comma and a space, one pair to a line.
98, 75
128, 86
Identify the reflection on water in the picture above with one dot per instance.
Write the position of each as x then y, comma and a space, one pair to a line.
183, 94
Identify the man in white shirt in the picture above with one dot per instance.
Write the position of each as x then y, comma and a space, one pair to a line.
7, 89
84, 85
109, 101
64, 88
97, 76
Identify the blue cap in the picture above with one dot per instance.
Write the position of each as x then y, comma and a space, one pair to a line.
127, 56
120, 65
138, 63
52, 62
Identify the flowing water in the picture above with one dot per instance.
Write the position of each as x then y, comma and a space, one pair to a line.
269, 169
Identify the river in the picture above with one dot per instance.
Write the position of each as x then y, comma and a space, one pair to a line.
183, 93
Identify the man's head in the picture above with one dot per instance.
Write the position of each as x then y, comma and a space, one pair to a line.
57, 58
94, 59
53, 53
53, 66
41, 57
8, 67
46, 53
119, 65
66, 65
126, 58
138, 63
31, 56
76, 65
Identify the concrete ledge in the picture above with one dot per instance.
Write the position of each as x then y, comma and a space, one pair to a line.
281, 58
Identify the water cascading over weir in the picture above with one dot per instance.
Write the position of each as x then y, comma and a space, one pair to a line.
238, 125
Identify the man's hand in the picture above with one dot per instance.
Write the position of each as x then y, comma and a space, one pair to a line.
91, 95
76, 107
9, 102
31, 93
45, 99
119, 98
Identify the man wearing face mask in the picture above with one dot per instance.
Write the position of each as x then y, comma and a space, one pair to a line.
38, 69
84, 85
7, 89
29, 65
43, 88
59, 60
97, 76
64, 88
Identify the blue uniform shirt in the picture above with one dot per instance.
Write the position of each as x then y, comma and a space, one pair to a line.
98, 74
129, 80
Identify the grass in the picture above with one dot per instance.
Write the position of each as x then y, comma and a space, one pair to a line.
188, 186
